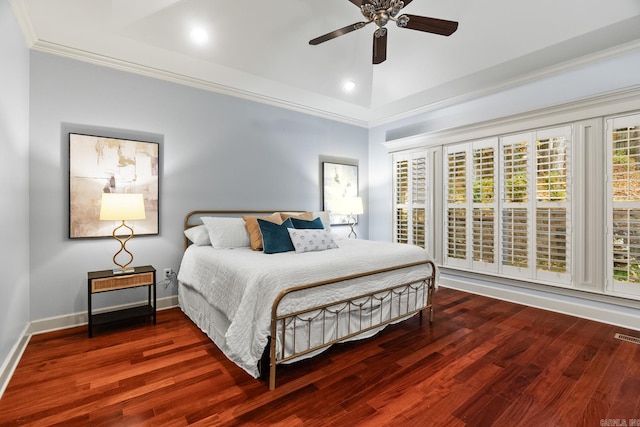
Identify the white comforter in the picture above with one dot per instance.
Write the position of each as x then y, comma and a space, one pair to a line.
243, 284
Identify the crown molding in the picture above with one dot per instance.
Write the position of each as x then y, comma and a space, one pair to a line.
22, 16
617, 102
143, 70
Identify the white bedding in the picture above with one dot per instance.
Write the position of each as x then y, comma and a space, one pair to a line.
243, 284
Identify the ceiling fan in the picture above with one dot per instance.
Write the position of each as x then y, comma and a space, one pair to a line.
382, 11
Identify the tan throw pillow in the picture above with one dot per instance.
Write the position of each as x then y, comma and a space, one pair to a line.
251, 222
299, 215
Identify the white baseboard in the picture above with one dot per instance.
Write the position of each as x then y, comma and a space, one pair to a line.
77, 319
604, 312
55, 323
11, 362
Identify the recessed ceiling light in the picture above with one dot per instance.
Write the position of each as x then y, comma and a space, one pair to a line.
349, 86
199, 35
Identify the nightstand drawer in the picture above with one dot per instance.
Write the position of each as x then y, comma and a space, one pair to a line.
129, 281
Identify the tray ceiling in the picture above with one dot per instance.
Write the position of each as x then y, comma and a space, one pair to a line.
259, 50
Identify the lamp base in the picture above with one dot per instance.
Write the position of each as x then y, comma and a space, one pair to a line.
123, 242
352, 222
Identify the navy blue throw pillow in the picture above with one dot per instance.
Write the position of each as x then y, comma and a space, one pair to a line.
315, 224
275, 237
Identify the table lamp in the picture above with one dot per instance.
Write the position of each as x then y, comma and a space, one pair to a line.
122, 207
352, 207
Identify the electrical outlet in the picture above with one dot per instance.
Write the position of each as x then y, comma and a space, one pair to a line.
167, 273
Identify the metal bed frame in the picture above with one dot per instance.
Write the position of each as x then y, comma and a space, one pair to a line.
407, 299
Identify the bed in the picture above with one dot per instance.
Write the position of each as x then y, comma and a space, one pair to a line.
263, 309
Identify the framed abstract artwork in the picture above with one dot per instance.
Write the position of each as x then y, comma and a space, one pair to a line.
339, 181
100, 164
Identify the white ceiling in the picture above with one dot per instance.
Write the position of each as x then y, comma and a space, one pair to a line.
259, 49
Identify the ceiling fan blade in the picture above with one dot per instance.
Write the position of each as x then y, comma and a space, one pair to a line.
379, 48
337, 33
359, 3
431, 25
406, 2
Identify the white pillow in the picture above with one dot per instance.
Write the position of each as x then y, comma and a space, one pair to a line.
226, 233
324, 217
307, 240
198, 235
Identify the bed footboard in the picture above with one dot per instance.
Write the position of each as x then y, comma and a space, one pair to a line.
360, 314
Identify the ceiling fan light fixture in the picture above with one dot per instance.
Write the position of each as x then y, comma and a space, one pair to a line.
402, 21
369, 11
396, 5
380, 32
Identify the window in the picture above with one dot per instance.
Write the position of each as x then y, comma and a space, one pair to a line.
556, 205
411, 195
552, 205
624, 211
456, 236
471, 205
515, 203
526, 231
485, 203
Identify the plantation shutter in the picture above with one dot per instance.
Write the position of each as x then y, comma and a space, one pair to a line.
456, 174
410, 198
401, 177
516, 202
419, 199
552, 209
484, 205
623, 158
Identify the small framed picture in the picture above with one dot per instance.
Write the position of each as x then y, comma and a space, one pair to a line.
339, 181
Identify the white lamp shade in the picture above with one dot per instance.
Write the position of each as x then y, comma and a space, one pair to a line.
351, 206
122, 206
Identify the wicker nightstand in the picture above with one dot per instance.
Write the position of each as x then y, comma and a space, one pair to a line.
106, 281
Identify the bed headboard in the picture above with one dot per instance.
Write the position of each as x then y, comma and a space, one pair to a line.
192, 219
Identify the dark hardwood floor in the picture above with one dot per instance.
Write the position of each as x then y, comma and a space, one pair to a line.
481, 363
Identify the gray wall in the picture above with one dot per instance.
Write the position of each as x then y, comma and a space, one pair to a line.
14, 176
601, 77
217, 152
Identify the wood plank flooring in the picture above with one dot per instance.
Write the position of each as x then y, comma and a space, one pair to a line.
481, 363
